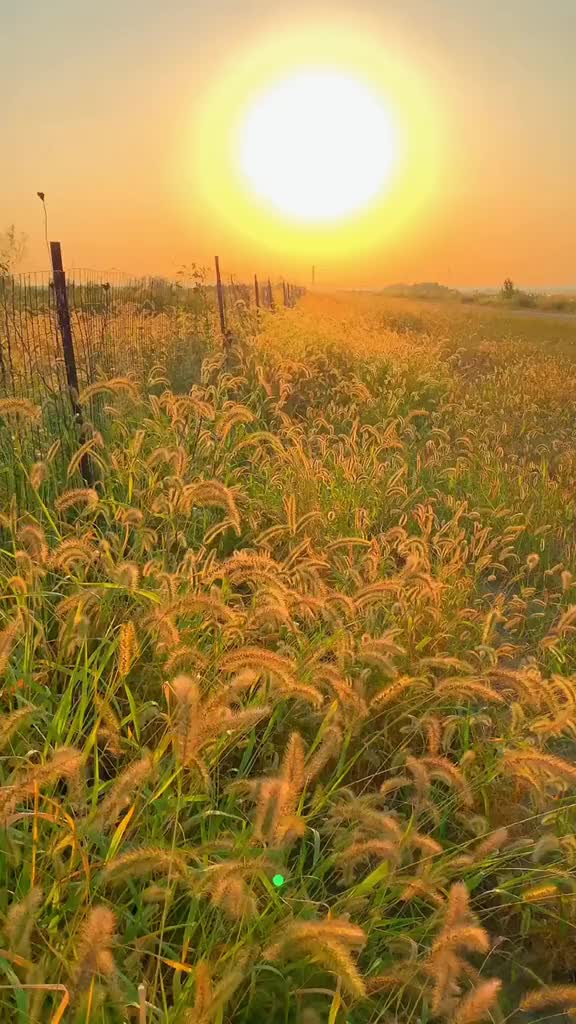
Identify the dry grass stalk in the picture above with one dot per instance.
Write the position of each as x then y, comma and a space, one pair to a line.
330, 942
80, 496
460, 936
552, 995
12, 723
478, 1004
210, 998
122, 790
144, 861
127, 648
21, 407
20, 921
8, 638
94, 953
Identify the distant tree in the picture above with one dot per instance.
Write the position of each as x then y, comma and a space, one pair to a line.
421, 290
12, 249
508, 289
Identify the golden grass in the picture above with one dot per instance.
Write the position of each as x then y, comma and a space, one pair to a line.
293, 684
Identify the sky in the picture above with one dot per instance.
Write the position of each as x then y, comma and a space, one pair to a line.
116, 111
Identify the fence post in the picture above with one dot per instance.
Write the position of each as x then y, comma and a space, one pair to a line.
256, 292
63, 313
220, 301
271, 295
4, 306
285, 292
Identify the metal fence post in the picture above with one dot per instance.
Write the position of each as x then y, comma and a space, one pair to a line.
220, 300
65, 326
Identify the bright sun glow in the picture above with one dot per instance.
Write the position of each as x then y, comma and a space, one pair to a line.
318, 143
318, 146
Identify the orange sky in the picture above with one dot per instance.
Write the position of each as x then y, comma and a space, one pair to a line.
103, 109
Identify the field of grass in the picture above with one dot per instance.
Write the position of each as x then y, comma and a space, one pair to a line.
288, 698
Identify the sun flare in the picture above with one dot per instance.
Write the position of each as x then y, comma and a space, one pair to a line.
310, 147
318, 146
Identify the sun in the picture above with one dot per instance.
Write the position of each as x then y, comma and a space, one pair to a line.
317, 146
320, 143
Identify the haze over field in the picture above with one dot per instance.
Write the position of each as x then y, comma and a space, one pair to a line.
135, 119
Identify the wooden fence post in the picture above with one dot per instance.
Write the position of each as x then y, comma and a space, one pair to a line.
220, 301
256, 292
65, 326
271, 295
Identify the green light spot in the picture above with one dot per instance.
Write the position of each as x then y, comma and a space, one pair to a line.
278, 880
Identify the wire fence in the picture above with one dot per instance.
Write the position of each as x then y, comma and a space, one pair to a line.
117, 323
61, 332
